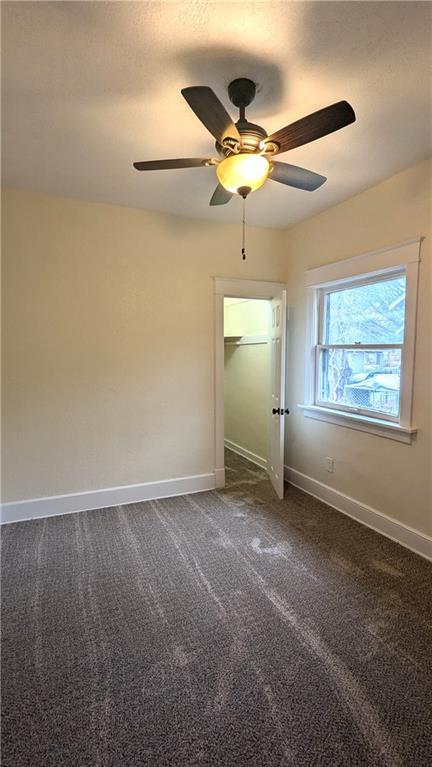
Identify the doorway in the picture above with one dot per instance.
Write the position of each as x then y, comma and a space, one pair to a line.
247, 378
250, 375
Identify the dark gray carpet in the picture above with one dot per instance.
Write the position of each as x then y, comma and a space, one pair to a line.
225, 628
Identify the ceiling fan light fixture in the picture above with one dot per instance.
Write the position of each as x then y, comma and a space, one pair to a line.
243, 170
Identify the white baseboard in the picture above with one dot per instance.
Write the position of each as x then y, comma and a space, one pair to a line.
246, 453
412, 539
220, 477
20, 511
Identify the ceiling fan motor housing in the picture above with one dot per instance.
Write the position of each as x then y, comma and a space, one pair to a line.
251, 137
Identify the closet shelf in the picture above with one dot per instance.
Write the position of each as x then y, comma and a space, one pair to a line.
244, 340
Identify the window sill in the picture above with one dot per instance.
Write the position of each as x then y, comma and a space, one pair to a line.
378, 427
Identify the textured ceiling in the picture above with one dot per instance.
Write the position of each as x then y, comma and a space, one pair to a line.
89, 87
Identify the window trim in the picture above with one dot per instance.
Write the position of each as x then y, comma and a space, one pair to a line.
404, 259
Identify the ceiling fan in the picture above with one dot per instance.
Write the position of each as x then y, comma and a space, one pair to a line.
245, 150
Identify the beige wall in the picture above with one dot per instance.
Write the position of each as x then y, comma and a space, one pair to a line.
392, 477
108, 346
246, 376
109, 341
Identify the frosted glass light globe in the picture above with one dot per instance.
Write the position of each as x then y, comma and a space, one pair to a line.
243, 170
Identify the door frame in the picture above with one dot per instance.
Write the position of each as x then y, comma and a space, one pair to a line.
230, 288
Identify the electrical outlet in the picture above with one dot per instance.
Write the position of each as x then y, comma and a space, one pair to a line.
330, 464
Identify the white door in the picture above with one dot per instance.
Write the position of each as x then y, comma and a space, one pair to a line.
277, 338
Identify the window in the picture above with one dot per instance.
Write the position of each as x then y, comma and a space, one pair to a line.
361, 341
361, 347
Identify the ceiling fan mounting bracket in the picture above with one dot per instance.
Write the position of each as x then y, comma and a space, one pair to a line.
228, 146
242, 92
269, 147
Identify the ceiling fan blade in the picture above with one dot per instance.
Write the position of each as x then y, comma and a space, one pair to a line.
184, 162
207, 107
313, 126
220, 196
292, 175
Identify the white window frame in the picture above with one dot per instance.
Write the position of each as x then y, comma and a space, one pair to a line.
322, 294
401, 259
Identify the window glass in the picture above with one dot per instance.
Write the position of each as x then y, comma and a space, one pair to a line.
373, 313
363, 379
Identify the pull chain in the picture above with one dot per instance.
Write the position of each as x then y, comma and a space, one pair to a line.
244, 230
243, 191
